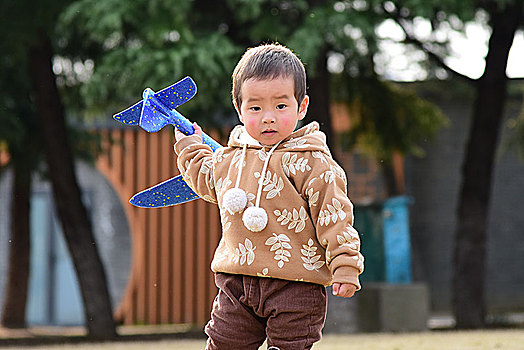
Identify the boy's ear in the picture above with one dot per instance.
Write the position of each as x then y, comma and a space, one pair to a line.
238, 111
302, 109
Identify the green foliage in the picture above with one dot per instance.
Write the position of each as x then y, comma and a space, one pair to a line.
140, 43
24, 23
247, 10
387, 118
135, 44
120, 47
341, 28
15, 110
17, 115
438, 9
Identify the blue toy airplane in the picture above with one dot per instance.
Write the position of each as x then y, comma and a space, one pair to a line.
155, 111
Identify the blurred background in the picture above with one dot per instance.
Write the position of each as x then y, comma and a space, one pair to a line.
421, 102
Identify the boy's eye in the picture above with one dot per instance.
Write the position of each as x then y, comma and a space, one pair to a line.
255, 108
281, 106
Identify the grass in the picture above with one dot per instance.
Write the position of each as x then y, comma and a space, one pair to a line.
449, 340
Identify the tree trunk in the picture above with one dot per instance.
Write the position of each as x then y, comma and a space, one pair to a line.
13, 314
67, 195
320, 100
471, 232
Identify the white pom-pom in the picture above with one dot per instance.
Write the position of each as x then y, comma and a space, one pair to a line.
234, 200
255, 219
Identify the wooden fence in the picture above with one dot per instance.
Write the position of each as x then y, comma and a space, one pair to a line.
170, 279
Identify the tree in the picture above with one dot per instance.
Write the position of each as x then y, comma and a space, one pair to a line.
24, 156
33, 49
488, 112
72, 212
13, 313
505, 17
20, 138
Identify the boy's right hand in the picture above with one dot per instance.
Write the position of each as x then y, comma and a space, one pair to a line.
345, 290
179, 135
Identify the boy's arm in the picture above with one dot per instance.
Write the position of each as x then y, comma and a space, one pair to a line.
332, 213
195, 162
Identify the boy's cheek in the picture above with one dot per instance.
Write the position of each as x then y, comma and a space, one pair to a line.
287, 122
250, 123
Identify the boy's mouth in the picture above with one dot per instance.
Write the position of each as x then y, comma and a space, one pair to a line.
268, 132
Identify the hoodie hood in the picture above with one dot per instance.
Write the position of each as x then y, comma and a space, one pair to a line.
307, 138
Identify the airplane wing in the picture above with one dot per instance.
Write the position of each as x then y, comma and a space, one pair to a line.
178, 93
171, 96
174, 190
130, 116
170, 192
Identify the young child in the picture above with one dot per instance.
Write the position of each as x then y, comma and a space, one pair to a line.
286, 219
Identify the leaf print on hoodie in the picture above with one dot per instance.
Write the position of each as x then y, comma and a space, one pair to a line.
332, 213
349, 238
293, 164
280, 245
272, 185
295, 219
245, 252
310, 257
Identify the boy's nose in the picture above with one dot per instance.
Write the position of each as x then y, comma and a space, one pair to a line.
268, 119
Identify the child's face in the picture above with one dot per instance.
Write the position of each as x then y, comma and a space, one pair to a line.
269, 110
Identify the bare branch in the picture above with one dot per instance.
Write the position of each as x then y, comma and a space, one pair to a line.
401, 20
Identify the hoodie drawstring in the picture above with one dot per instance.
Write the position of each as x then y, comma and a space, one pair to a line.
235, 199
255, 218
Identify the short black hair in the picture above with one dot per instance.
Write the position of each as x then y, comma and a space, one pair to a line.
269, 61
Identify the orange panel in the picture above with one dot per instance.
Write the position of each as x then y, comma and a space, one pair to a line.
189, 262
202, 269
140, 238
178, 263
166, 261
152, 262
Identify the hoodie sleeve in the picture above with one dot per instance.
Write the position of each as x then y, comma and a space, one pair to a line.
195, 162
325, 189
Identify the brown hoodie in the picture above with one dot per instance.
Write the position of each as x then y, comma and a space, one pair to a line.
309, 234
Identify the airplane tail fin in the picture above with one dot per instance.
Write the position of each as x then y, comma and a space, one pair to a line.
152, 119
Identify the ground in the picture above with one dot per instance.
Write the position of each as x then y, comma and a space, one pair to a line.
507, 339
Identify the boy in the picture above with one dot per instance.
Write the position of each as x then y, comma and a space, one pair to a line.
286, 219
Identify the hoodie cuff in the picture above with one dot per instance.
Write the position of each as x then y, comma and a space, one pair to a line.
347, 274
186, 142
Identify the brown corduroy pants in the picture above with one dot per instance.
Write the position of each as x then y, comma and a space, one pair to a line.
248, 309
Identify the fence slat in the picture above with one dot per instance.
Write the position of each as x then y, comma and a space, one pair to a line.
141, 232
166, 261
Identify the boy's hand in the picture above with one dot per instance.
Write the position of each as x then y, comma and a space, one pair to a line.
345, 290
179, 135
